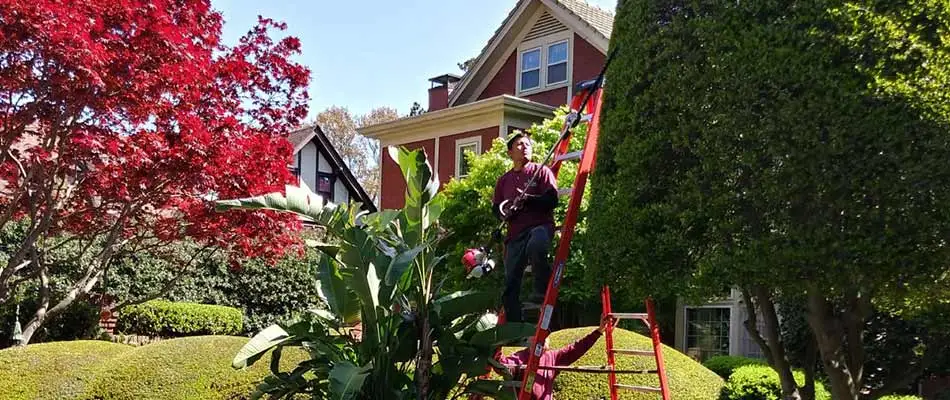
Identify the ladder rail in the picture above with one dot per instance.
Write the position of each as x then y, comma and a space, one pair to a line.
570, 221
607, 310
657, 350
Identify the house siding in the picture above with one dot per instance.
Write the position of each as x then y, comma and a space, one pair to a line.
393, 185
588, 61
447, 150
554, 98
504, 81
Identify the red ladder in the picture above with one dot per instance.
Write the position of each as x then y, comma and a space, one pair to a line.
592, 95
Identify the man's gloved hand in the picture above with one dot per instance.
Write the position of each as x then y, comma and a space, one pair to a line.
509, 208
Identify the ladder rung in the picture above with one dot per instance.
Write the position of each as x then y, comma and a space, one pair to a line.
586, 117
642, 316
601, 369
565, 191
574, 155
634, 352
644, 389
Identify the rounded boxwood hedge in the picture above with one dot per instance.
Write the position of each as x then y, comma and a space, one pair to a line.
760, 382
197, 367
54, 370
688, 379
176, 319
724, 365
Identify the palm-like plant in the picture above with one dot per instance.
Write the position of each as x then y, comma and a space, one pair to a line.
379, 269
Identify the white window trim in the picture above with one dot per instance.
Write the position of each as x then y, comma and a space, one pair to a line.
540, 68
543, 43
566, 62
459, 144
733, 337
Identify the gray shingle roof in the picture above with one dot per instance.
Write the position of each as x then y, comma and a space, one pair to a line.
601, 20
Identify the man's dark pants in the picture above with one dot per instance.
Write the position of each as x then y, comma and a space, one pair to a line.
532, 246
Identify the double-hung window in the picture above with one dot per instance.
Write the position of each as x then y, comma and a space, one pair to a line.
531, 69
544, 64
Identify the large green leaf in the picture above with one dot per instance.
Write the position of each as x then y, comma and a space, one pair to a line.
400, 263
306, 204
503, 335
255, 348
333, 290
462, 303
494, 388
346, 380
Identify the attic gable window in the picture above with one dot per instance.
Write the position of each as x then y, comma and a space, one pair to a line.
531, 69
544, 63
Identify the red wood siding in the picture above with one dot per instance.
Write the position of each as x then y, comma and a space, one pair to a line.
504, 81
553, 98
588, 61
392, 184
447, 150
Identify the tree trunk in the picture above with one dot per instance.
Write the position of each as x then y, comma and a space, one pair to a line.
773, 339
40, 315
829, 335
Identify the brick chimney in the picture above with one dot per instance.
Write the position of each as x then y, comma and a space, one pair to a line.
440, 90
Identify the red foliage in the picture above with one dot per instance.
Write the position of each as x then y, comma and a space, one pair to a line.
146, 115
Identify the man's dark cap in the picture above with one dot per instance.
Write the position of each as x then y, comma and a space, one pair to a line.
514, 136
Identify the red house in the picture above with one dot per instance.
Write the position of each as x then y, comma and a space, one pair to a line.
529, 67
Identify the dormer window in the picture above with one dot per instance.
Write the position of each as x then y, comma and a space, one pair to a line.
544, 63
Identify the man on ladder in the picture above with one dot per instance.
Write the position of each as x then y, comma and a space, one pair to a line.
525, 197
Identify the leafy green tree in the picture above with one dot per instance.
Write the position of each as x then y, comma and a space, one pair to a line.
784, 148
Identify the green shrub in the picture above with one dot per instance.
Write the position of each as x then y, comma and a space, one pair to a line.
760, 382
266, 293
900, 397
196, 368
170, 319
724, 365
56, 370
688, 379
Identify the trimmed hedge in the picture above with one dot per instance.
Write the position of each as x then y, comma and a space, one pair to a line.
185, 368
688, 379
55, 370
193, 368
172, 319
724, 365
900, 397
761, 382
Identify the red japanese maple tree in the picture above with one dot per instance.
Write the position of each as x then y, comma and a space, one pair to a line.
120, 121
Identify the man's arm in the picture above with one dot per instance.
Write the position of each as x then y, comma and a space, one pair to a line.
497, 199
547, 187
568, 354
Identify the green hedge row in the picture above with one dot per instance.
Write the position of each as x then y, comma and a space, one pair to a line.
761, 382
724, 365
171, 319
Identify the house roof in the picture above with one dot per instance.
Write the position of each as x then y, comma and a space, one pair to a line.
601, 20
580, 15
305, 134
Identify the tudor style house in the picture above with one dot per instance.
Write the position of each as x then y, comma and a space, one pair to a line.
529, 67
319, 167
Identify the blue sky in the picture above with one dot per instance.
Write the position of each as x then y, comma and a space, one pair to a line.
368, 53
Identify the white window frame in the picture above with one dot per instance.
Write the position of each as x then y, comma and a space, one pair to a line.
459, 145
732, 324
544, 43
540, 69
566, 62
